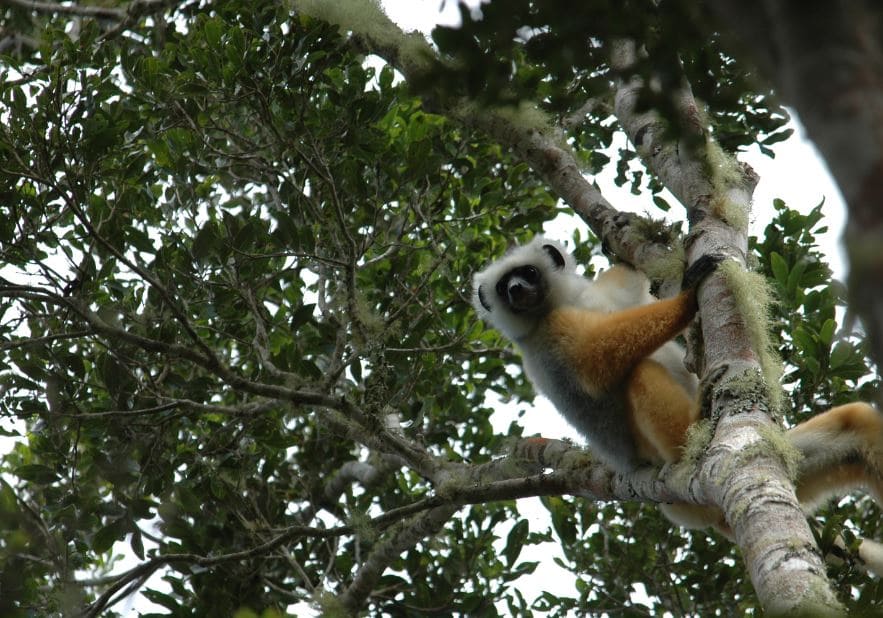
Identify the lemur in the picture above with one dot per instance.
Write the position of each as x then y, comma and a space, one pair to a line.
602, 351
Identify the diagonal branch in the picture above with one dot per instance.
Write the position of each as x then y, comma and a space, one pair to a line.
80, 10
403, 537
526, 130
717, 191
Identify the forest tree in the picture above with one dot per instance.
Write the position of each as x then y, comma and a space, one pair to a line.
236, 256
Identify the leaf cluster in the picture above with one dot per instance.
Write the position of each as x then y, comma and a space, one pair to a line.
247, 211
826, 364
558, 54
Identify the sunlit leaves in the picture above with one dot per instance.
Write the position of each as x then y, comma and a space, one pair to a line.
824, 364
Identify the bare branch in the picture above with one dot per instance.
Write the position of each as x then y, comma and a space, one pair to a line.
80, 10
124, 413
403, 537
35, 341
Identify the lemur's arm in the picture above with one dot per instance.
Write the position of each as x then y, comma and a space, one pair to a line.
604, 347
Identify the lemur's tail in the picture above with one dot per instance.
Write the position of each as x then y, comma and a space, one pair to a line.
842, 449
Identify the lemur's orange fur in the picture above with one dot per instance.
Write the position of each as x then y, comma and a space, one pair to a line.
602, 351
610, 351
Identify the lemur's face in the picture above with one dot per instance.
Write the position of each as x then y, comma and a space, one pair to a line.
523, 289
514, 292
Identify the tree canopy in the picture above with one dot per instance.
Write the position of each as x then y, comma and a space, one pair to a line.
237, 342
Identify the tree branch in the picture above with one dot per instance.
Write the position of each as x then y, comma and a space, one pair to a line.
98, 12
717, 194
403, 537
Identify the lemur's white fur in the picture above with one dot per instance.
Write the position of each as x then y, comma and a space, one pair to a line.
619, 287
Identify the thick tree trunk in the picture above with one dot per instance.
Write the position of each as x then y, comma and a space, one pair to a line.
825, 58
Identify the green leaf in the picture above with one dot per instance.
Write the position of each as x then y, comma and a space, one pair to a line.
337, 78
515, 541
140, 240
780, 269
661, 203
813, 366
160, 151
841, 354
386, 77
795, 276
826, 333
162, 599
113, 374
302, 315
137, 544
214, 29
562, 520
104, 539
356, 370
525, 568
37, 473
205, 242
804, 340
235, 47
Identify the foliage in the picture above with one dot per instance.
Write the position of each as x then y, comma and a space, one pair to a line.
827, 367
557, 53
245, 192
233, 253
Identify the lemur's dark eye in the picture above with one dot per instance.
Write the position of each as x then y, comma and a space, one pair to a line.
502, 284
530, 274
